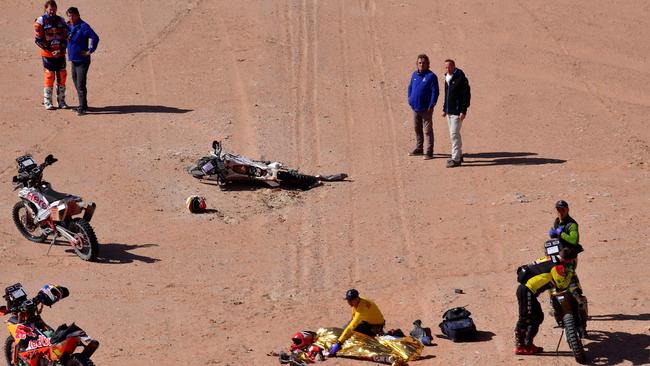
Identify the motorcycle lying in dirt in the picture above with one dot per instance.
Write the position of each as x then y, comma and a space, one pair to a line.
570, 308
42, 212
226, 168
34, 343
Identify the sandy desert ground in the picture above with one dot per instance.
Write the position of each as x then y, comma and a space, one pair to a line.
560, 106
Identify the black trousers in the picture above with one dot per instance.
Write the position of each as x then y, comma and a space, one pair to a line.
370, 329
530, 314
79, 74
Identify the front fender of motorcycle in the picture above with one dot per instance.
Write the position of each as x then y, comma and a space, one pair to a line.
12, 329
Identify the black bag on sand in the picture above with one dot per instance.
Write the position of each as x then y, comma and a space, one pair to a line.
457, 325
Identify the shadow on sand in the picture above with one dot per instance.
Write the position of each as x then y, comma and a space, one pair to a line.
507, 158
613, 348
115, 253
611, 317
256, 185
127, 109
481, 336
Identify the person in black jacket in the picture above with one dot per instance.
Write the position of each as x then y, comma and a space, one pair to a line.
457, 97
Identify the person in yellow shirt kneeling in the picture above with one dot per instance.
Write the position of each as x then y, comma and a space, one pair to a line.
366, 319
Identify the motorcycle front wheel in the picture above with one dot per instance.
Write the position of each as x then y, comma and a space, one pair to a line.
9, 348
88, 247
573, 338
24, 215
79, 360
9, 344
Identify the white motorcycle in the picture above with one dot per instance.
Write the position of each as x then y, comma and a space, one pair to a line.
226, 168
42, 212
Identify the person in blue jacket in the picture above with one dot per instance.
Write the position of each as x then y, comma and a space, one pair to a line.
81, 43
422, 96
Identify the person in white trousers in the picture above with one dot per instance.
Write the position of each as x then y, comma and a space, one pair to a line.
457, 100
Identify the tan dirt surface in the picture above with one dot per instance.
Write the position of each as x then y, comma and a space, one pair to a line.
560, 106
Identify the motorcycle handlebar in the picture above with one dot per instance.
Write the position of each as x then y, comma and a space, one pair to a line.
49, 160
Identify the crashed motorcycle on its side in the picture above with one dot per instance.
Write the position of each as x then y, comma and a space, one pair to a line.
226, 168
42, 211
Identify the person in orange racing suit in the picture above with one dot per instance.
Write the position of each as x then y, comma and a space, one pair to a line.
366, 319
543, 274
51, 36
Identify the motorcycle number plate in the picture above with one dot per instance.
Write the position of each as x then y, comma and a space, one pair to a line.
27, 162
16, 294
555, 249
207, 167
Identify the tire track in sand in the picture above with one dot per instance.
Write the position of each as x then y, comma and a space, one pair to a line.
244, 133
398, 180
591, 89
353, 233
160, 36
306, 258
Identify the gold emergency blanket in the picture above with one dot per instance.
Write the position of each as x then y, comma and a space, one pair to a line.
396, 351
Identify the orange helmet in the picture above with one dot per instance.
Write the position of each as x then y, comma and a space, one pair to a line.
196, 204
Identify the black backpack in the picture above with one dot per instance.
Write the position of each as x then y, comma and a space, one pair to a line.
457, 325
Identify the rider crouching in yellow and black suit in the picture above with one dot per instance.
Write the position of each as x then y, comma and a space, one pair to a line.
545, 273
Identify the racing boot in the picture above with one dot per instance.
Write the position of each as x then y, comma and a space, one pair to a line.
523, 346
60, 97
531, 332
47, 98
520, 338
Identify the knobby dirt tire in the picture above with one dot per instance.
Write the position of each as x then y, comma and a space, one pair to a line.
573, 338
196, 171
91, 247
15, 213
79, 360
8, 349
303, 181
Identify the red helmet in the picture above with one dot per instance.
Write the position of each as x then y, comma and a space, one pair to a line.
302, 339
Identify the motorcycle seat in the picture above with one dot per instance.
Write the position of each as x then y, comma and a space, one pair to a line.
52, 195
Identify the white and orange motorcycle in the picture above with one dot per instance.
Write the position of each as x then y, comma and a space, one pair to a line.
227, 168
43, 212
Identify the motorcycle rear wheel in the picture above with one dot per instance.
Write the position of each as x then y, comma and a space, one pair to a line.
25, 222
573, 338
79, 360
85, 232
